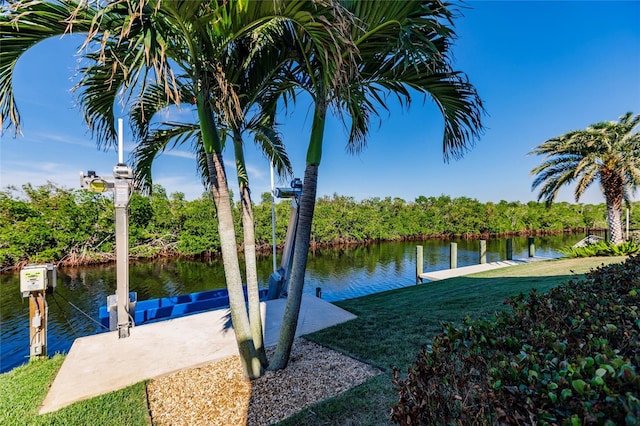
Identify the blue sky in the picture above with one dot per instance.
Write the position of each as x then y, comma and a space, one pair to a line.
541, 68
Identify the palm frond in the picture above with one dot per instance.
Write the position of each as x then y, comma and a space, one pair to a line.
153, 100
404, 48
23, 24
97, 92
167, 136
270, 142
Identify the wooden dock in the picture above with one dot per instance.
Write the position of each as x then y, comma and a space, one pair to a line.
472, 269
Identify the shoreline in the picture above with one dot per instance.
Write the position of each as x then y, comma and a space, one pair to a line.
91, 259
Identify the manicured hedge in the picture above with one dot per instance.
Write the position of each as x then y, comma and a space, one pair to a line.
571, 356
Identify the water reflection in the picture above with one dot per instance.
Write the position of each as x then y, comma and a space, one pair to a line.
342, 273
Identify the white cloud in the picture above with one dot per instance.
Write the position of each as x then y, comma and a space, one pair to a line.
39, 174
256, 172
191, 187
40, 137
180, 154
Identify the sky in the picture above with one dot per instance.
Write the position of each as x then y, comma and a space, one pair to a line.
542, 69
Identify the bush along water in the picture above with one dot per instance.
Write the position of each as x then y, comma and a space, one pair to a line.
569, 357
74, 227
603, 248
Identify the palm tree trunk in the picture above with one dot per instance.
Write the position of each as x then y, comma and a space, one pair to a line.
298, 268
251, 270
614, 218
612, 185
303, 238
251, 365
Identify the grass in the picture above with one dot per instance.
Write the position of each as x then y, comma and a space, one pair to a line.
390, 330
23, 389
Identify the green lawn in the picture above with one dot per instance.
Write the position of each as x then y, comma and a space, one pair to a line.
23, 389
390, 329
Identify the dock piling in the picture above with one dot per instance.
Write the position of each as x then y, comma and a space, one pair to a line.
419, 264
509, 248
483, 252
532, 247
453, 260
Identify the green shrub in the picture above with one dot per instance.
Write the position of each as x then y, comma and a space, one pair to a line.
571, 356
603, 248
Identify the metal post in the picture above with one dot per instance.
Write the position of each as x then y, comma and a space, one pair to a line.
120, 141
509, 248
483, 251
419, 264
532, 247
121, 201
121, 186
627, 224
453, 260
123, 175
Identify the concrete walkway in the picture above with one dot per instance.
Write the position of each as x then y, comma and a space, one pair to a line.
472, 269
102, 363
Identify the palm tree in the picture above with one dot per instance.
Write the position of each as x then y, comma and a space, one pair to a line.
403, 48
167, 135
315, 57
608, 152
179, 44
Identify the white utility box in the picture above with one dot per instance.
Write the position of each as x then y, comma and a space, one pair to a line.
37, 278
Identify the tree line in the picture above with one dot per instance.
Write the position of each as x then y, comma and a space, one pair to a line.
48, 223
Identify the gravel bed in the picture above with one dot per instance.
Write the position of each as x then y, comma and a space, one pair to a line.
218, 394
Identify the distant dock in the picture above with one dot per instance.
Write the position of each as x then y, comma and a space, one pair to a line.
472, 269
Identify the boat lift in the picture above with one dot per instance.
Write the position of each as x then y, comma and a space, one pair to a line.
121, 311
279, 279
122, 304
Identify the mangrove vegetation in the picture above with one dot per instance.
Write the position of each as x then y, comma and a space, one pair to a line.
52, 224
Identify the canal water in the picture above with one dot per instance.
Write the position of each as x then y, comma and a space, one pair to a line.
340, 273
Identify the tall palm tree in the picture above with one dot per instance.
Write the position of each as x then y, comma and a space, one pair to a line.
607, 152
403, 49
170, 40
167, 135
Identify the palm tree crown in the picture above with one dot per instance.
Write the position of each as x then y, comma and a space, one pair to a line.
608, 152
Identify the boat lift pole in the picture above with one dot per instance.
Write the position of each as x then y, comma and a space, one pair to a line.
123, 176
121, 184
279, 279
273, 219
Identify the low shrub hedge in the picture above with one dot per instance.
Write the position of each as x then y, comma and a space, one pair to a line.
568, 357
603, 248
